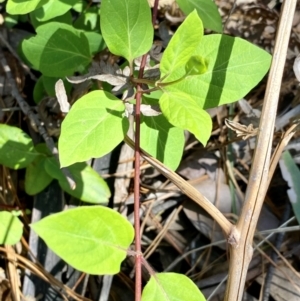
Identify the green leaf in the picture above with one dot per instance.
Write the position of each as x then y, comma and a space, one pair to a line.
207, 10
196, 65
184, 42
49, 85
161, 140
45, 86
36, 177
16, 147
94, 126
57, 50
171, 287
39, 90
99, 235
183, 112
234, 67
11, 20
89, 20
53, 8
96, 41
291, 174
90, 187
81, 6
10, 228
22, 7
65, 18
126, 27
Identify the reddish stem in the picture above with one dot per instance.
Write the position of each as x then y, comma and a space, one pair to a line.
138, 249
154, 13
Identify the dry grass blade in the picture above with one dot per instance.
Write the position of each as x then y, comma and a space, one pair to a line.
38, 270
13, 274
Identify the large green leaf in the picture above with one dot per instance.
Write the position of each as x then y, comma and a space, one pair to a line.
94, 126
207, 10
171, 287
184, 42
36, 177
57, 50
92, 239
291, 173
90, 187
234, 67
22, 7
16, 147
10, 228
162, 140
54, 8
183, 112
126, 27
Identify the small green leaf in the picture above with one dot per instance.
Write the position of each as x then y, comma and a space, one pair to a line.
89, 20
53, 8
183, 112
196, 65
81, 6
234, 67
39, 90
90, 187
11, 20
291, 173
92, 239
207, 10
184, 42
96, 41
49, 85
171, 287
10, 228
22, 7
162, 140
65, 18
16, 213
57, 50
126, 27
36, 177
16, 147
93, 127
45, 86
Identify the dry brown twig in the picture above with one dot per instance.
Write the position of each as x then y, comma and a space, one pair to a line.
241, 250
20, 260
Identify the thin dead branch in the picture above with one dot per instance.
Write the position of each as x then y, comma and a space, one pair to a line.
241, 250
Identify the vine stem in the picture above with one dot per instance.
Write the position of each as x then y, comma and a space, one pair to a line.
137, 228
138, 249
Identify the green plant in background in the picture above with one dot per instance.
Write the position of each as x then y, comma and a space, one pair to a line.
17, 151
197, 72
